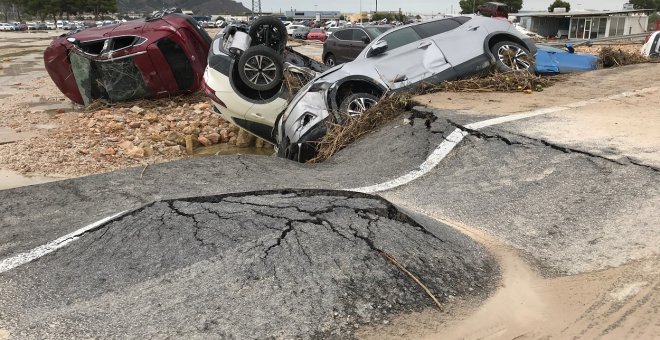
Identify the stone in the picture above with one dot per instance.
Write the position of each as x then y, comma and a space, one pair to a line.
126, 145
115, 126
224, 136
244, 139
204, 141
151, 117
91, 123
134, 125
137, 109
190, 144
201, 106
214, 138
108, 151
135, 152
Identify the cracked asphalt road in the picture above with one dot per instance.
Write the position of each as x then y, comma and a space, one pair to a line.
296, 264
570, 205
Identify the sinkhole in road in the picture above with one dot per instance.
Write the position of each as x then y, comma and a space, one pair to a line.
286, 263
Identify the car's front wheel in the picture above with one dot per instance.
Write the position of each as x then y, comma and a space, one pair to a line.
511, 56
330, 60
357, 103
261, 68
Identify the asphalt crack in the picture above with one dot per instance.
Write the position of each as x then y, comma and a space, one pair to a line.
545, 143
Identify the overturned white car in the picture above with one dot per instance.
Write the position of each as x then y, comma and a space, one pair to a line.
244, 77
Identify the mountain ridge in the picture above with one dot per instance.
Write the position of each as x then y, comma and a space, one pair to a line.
199, 7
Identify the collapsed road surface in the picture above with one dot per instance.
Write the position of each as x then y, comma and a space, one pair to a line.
568, 206
292, 264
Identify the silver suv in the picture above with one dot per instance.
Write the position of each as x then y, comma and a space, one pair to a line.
399, 60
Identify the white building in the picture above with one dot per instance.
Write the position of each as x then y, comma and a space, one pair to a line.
586, 24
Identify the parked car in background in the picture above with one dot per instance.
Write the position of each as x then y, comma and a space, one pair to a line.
31, 25
19, 26
345, 44
317, 34
399, 60
136, 59
651, 47
290, 29
331, 30
301, 32
493, 9
50, 25
6, 27
41, 26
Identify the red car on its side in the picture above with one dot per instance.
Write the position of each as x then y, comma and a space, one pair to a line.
149, 58
317, 34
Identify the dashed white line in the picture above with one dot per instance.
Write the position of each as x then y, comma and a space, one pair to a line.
429, 164
23, 258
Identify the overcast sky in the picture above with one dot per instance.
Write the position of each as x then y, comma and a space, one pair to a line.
415, 6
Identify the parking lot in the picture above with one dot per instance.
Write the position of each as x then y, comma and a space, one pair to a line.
475, 215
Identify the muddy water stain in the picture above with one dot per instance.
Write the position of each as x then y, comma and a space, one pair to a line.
12, 179
226, 149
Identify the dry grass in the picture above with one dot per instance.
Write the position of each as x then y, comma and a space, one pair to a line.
613, 57
340, 135
294, 81
498, 82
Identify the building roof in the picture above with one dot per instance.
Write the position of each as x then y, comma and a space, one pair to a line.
581, 13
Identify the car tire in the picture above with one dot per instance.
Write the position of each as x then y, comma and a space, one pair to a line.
261, 68
512, 57
330, 60
269, 31
357, 103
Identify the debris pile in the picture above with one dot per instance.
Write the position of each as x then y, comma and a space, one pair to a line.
499, 82
614, 57
103, 138
340, 135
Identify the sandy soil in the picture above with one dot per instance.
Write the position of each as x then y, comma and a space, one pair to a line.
617, 303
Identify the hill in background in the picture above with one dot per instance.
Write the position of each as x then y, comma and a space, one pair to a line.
199, 7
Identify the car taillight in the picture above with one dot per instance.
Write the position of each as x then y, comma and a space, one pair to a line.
209, 92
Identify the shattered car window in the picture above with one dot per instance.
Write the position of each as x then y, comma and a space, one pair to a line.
114, 81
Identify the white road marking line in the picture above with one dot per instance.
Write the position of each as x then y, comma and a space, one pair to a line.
457, 136
23, 258
431, 162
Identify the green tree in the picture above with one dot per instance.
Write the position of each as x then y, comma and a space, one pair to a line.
646, 4
559, 4
470, 6
99, 7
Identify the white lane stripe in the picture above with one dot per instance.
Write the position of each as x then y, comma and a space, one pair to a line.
431, 162
23, 258
457, 136
518, 116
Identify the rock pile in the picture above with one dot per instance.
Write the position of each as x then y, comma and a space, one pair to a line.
109, 138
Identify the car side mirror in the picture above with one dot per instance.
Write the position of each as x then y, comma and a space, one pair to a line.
365, 39
379, 48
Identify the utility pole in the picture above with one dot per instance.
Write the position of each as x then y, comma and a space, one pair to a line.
376, 6
256, 7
